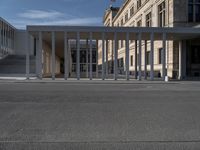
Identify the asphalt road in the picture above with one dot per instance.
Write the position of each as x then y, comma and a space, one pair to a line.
99, 116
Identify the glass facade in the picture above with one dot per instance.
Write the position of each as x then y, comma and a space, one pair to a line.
7, 33
83, 59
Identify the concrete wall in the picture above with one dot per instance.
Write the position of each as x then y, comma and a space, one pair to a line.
21, 42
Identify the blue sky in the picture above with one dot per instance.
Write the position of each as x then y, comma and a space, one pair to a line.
54, 12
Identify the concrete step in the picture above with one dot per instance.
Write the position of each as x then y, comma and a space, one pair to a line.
16, 64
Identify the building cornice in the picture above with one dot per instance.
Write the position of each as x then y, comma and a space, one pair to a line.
121, 9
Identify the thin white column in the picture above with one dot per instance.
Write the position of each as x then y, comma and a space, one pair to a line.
0, 36
140, 57
97, 56
87, 58
53, 61
164, 57
66, 56
152, 57
127, 56
103, 56
136, 59
145, 59
91, 56
5, 44
3, 37
107, 59
180, 60
27, 56
115, 56
78, 56
40, 56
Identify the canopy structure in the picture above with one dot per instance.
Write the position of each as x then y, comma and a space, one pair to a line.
139, 34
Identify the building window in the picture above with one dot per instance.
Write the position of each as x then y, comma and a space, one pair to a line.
139, 23
193, 10
195, 54
161, 15
148, 57
126, 17
160, 55
122, 22
122, 43
132, 11
139, 3
131, 60
120, 62
148, 20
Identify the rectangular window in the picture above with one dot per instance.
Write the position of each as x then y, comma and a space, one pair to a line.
148, 20
139, 3
132, 11
131, 60
193, 10
161, 15
126, 17
122, 43
148, 58
139, 23
160, 55
122, 22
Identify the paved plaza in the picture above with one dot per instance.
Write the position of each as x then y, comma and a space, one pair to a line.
99, 115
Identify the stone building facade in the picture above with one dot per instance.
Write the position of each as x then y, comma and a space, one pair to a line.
156, 13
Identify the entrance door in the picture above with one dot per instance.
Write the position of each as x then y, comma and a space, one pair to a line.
193, 61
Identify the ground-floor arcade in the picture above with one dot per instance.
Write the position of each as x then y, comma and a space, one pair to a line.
136, 62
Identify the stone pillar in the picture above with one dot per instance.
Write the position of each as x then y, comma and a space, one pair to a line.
91, 56
145, 59
66, 56
152, 57
115, 56
78, 56
27, 56
40, 56
127, 56
103, 56
164, 57
140, 57
53, 56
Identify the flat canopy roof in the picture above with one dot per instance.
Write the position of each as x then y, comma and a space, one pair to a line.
172, 33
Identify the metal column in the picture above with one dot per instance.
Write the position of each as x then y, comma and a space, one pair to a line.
66, 56
164, 57
140, 56
53, 55
103, 56
78, 56
152, 57
40, 56
27, 56
115, 56
145, 59
91, 56
127, 56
